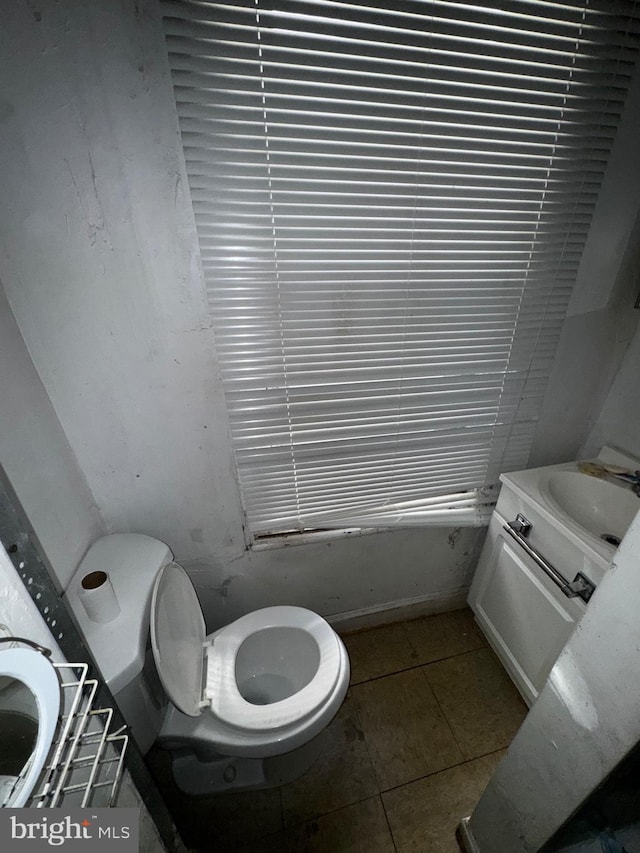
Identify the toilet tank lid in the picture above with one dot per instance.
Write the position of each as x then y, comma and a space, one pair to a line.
177, 638
132, 562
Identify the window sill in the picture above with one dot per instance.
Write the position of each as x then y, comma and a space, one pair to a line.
311, 537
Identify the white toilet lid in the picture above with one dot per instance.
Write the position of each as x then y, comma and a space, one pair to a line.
177, 638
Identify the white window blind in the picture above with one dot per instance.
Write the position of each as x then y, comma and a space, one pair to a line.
391, 206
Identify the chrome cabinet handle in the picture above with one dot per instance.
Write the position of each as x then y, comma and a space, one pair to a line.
580, 587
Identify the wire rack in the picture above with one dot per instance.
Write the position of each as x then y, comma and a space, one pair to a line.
86, 760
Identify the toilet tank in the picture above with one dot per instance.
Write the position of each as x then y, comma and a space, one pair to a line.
121, 647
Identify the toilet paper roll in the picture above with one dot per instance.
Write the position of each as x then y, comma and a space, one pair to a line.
98, 598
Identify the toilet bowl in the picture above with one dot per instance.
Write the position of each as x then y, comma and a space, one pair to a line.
262, 686
272, 668
245, 706
276, 727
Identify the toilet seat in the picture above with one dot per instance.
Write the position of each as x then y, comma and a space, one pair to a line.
198, 672
182, 732
222, 689
36, 672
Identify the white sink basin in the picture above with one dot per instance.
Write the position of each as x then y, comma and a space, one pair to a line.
578, 506
602, 508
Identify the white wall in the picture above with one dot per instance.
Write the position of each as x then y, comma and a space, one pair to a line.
601, 320
98, 259
427, 568
595, 351
618, 421
37, 458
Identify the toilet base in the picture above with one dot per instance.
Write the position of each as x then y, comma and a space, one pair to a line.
197, 775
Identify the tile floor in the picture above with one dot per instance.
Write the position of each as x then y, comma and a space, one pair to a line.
428, 716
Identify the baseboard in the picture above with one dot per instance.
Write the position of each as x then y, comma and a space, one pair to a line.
399, 611
464, 837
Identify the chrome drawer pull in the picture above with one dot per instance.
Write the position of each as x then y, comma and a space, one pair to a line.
580, 587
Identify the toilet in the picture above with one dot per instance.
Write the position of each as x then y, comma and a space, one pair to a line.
243, 707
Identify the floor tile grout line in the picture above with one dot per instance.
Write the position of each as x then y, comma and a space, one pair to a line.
443, 770
465, 758
386, 817
344, 805
500, 666
281, 807
338, 809
366, 743
422, 667
417, 666
300, 823
442, 711
426, 617
407, 634
408, 639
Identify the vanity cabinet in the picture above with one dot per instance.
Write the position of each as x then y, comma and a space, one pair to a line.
523, 614
548, 547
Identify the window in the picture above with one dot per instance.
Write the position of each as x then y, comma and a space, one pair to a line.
391, 206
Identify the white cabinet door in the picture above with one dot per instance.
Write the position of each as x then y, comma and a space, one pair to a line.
524, 615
